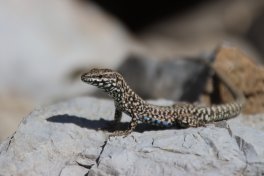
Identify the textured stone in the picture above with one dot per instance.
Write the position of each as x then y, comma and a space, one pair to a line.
65, 139
45, 46
246, 75
178, 79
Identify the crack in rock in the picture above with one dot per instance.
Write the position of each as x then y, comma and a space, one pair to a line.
97, 159
65, 166
102, 150
10, 141
86, 166
247, 149
225, 125
211, 144
176, 151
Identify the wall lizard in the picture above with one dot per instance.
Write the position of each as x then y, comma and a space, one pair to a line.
183, 114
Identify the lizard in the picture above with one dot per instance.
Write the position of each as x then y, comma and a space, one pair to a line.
183, 114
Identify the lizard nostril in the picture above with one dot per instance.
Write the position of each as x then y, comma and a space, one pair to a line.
84, 77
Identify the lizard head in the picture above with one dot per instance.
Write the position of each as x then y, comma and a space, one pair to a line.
102, 78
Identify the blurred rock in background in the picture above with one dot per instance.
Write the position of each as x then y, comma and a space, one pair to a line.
247, 76
42, 44
203, 28
177, 79
46, 45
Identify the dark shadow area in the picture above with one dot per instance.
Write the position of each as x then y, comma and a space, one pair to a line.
196, 83
138, 14
101, 124
79, 121
255, 33
215, 96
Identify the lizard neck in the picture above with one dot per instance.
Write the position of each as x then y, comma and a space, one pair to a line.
125, 98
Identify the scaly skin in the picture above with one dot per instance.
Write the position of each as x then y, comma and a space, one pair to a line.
127, 101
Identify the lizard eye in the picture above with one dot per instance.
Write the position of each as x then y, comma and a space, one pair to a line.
100, 76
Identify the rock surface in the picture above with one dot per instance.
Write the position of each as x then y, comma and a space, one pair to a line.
64, 139
177, 79
246, 75
48, 44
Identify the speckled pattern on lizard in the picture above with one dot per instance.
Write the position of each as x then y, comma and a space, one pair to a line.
127, 101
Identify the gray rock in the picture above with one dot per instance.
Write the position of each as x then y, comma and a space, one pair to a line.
178, 79
65, 139
49, 49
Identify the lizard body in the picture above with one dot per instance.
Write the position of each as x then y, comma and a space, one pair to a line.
183, 114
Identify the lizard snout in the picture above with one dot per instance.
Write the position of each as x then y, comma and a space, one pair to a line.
85, 77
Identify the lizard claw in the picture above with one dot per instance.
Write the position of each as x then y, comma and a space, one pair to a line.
120, 133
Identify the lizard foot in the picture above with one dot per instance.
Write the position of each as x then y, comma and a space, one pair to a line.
120, 133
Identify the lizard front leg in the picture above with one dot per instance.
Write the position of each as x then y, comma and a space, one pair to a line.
132, 125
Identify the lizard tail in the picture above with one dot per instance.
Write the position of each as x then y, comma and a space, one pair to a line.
221, 112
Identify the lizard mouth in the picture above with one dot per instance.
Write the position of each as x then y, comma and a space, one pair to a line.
86, 78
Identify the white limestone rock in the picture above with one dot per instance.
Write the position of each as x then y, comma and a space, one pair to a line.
65, 139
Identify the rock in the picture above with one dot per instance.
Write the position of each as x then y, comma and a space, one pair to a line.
188, 35
64, 139
45, 46
178, 79
246, 75
12, 109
